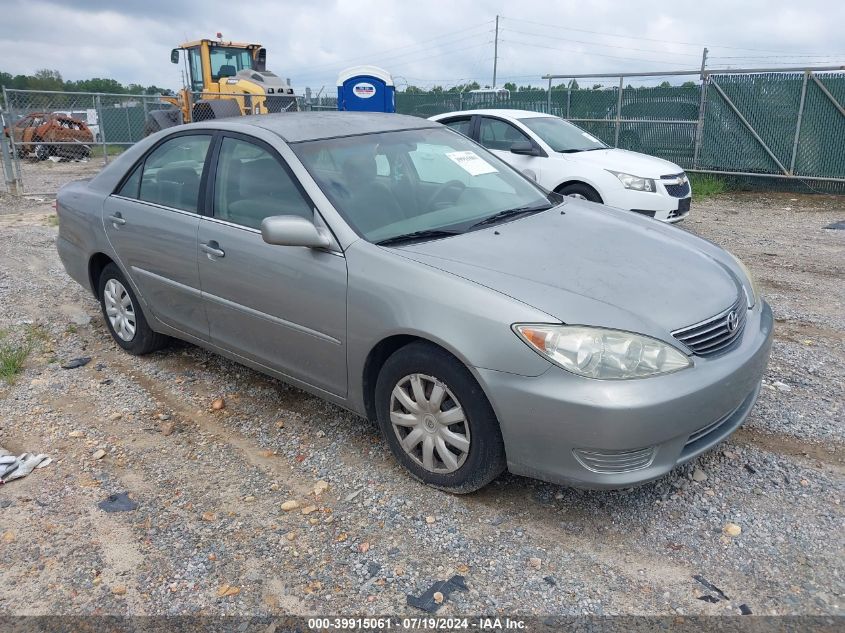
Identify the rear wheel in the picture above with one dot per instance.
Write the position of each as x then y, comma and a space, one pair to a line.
581, 191
437, 420
123, 314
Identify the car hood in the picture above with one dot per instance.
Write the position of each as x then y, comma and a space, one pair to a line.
626, 161
593, 265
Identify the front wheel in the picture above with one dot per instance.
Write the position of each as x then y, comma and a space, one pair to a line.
123, 314
437, 420
581, 191
42, 152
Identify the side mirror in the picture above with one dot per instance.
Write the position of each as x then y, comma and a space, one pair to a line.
524, 148
174, 56
293, 230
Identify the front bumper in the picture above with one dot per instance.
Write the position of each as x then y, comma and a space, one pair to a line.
550, 422
659, 205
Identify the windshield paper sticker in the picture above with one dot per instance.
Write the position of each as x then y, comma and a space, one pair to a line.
472, 163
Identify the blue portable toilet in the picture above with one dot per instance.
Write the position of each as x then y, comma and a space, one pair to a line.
365, 89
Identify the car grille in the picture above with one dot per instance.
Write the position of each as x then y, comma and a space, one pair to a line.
677, 185
715, 334
678, 191
682, 210
606, 461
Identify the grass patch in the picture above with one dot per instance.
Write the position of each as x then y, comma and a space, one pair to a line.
111, 150
707, 185
13, 353
53, 220
12, 358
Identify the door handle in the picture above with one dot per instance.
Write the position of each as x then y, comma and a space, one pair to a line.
213, 249
117, 219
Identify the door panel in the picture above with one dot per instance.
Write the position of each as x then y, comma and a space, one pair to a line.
152, 225
157, 248
282, 306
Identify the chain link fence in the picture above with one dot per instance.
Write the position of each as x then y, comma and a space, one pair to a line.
774, 125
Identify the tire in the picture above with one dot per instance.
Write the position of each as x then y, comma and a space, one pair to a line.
580, 190
464, 414
42, 151
116, 294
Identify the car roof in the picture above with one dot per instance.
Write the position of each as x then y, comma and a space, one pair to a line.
502, 112
295, 127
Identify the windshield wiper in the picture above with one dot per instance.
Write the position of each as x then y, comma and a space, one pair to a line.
417, 235
509, 213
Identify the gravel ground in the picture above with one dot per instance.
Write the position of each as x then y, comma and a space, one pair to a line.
209, 535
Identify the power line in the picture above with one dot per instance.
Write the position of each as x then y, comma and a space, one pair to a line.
418, 44
627, 48
573, 50
646, 39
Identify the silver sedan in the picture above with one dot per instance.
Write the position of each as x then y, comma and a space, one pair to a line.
394, 267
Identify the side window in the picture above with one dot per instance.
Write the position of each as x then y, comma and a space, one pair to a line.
251, 185
132, 184
460, 125
195, 62
496, 134
172, 171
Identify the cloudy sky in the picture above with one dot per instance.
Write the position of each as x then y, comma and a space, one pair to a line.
422, 43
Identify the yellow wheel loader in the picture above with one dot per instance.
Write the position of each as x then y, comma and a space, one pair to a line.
223, 79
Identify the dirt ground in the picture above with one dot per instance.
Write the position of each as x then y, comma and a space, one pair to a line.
209, 535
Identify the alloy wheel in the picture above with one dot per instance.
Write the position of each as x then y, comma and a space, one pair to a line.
119, 309
430, 423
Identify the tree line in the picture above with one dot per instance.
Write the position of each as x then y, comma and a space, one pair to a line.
46, 79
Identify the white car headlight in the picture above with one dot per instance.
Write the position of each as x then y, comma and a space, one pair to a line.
636, 183
752, 283
601, 353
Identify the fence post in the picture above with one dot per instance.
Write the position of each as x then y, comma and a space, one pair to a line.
98, 106
17, 175
798, 122
618, 113
699, 128
146, 114
307, 99
9, 175
549, 97
569, 101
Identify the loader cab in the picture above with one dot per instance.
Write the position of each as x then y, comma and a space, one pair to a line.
211, 61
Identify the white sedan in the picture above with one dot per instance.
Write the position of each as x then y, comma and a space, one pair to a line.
564, 158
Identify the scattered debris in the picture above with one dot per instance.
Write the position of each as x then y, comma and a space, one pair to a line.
428, 601
308, 510
119, 502
289, 505
430, 519
8, 536
320, 487
76, 434
751, 469
550, 581
782, 386
226, 590
120, 590
99, 454
838, 226
709, 598
77, 362
699, 475
535, 563
706, 583
352, 495
732, 529
167, 428
744, 609
208, 516
12, 467
218, 404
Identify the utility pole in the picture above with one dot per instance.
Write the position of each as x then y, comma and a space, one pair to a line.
495, 52
703, 62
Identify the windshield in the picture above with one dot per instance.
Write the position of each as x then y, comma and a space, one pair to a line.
396, 183
225, 61
561, 135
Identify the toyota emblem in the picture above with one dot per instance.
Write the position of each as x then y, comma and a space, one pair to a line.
732, 322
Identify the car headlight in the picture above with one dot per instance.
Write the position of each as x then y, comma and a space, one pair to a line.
636, 183
751, 282
600, 353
